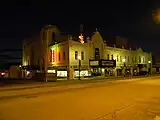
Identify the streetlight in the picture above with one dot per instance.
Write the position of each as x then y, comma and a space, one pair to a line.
124, 60
149, 62
79, 59
20, 67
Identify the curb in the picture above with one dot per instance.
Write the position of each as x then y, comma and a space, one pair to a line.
45, 85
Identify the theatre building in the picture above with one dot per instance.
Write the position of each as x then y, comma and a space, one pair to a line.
52, 51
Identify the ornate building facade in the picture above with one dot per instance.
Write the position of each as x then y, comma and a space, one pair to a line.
68, 57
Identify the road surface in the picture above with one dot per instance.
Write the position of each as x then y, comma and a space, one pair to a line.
136, 99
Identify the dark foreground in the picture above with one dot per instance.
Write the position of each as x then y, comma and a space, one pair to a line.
135, 99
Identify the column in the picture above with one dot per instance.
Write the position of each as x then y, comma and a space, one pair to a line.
115, 72
131, 71
70, 73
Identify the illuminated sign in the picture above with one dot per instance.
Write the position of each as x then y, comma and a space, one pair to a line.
94, 63
82, 73
108, 63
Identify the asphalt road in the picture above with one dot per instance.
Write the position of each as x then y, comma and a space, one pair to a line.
135, 99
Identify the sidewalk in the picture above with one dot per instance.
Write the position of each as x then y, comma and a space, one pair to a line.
67, 82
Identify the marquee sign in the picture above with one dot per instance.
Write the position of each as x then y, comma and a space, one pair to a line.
108, 63
94, 63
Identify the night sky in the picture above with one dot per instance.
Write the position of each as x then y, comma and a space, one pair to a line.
132, 19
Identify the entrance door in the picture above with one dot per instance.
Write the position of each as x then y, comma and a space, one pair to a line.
96, 72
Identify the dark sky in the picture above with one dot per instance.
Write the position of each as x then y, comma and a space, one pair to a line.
130, 18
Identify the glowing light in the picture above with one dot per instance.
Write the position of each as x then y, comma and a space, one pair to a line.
51, 71
28, 72
2, 73
149, 61
79, 57
81, 38
52, 55
123, 60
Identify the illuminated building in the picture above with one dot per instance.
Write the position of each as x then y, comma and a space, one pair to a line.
55, 52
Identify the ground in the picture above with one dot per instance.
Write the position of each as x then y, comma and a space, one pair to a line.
135, 99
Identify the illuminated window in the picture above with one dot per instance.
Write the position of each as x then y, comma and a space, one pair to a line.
64, 55
82, 55
112, 57
51, 55
76, 55
59, 56
117, 58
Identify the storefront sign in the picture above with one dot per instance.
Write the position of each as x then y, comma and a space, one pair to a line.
108, 63
94, 63
82, 73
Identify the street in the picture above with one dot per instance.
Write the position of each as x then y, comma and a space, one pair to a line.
129, 99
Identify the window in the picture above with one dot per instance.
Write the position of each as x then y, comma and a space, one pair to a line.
117, 58
143, 60
125, 58
139, 59
120, 58
108, 57
132, 60
135, 60
76, 55
82, 55
97, 54
51, 55
128, 58
112, 57
59, 56
64, 55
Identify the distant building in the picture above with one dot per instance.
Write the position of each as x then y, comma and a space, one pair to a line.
51, 51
